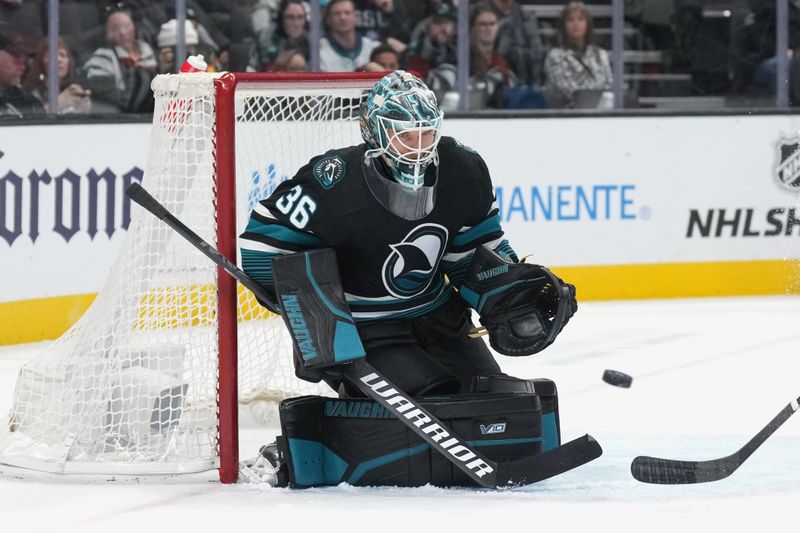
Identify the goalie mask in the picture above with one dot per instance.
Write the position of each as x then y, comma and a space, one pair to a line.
401, 122
522, 306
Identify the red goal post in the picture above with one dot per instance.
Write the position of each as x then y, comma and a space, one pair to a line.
226, 87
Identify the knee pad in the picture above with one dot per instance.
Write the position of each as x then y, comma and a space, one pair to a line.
327, 441
544, 388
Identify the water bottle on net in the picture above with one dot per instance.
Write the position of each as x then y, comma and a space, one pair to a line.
194, 64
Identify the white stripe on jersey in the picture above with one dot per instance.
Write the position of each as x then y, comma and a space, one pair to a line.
492, 245
454, 258
256, 246
263, 211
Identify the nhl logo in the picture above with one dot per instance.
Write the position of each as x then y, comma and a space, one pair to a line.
787, 170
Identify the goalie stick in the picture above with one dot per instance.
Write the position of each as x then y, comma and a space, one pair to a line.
483, 471
676, 472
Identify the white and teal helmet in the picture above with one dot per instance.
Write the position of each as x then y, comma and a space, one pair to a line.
398, 105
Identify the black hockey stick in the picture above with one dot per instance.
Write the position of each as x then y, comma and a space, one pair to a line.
138, 194
677, 472
483, 471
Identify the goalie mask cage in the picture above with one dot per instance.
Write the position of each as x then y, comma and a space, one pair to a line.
148, 381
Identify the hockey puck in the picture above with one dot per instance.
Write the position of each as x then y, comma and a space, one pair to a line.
617, 378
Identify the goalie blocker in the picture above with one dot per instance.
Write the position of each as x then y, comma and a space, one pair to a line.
315, 312
327, 441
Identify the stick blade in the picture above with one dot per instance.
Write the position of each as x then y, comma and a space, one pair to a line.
673, 472
561, 459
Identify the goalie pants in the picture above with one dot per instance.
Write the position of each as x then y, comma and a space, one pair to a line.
431, 354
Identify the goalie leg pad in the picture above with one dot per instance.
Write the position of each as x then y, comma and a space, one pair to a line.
327, 441
544, 388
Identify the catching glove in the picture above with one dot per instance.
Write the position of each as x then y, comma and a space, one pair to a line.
523, 307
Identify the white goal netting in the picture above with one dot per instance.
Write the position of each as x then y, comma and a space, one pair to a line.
132, 387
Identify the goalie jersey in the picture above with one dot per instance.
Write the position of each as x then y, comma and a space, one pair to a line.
392, 265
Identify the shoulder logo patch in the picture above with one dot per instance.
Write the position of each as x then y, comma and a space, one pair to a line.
329, 171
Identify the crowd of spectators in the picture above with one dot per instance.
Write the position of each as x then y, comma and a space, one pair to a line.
109, 51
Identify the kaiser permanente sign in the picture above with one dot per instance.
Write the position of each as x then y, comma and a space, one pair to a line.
633, 207
638, 207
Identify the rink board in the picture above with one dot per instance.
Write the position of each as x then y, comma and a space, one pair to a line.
628, 207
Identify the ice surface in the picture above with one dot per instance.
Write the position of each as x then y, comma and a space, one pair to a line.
707, 375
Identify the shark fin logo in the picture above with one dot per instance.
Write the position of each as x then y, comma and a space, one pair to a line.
412, 262
787, 170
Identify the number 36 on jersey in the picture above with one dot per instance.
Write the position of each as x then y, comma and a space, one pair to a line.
298, 206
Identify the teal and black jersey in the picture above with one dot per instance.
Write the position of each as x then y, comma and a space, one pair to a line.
391, 266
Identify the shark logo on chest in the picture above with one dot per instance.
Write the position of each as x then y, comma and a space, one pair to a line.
412, 262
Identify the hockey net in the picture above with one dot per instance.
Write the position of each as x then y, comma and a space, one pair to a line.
145, 382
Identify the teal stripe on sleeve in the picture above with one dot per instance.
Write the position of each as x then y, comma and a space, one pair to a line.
258, 265
488, 226
505, 250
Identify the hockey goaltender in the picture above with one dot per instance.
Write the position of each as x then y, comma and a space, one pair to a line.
379, 253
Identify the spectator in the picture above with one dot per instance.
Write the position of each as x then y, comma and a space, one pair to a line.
219, 51
80, 23
167, 42
231, 18
72, 97
577, 64
383, 59
26, 18
435, 45
419, 10
519, 41
290, 60
387, 21
490, 72
263, 20
149, 15
226, 35
291, 32
343, 49
119, 74
14, 99
426, 10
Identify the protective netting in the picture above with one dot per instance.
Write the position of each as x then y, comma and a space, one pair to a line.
132, 386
